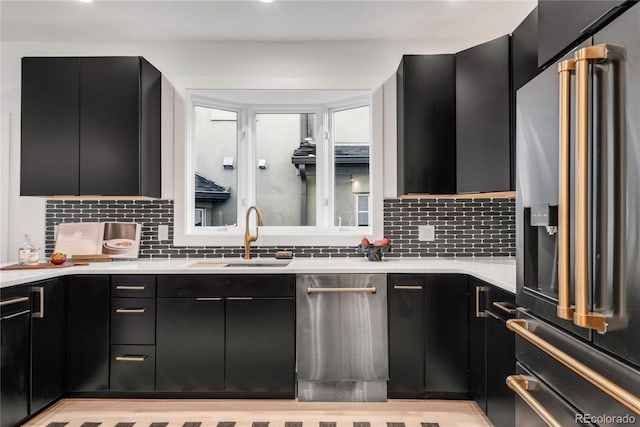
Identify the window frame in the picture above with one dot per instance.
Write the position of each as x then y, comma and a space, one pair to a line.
324, 232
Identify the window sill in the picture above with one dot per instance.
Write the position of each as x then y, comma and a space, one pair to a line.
345, 237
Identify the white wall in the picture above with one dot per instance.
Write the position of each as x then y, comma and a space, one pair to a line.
228, 65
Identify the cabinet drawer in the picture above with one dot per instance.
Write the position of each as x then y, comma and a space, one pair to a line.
132, 368
133, 286
133, 320
222, 285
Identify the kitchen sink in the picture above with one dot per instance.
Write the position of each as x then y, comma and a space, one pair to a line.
240, 263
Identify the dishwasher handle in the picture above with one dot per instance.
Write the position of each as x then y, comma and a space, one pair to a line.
371, 290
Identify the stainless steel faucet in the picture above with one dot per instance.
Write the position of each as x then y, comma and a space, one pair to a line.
247, 237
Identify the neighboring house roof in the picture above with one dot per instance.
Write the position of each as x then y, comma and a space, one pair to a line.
344, 154
209, 190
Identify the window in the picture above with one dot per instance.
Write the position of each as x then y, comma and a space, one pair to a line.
362, 209
302, 157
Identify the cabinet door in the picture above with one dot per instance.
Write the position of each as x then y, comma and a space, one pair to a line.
49, 127
562, 23
446, 331
109, 126
14, 363
260, 348
501, 363
524, 51
406, 335
477, 342
190, 344
87, 333
48, 344
426, 124
483, 129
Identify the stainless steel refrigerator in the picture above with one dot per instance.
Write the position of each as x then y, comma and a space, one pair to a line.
578, 235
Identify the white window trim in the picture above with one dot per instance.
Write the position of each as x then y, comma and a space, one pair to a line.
185, 234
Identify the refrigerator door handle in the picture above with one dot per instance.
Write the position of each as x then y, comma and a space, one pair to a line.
521, 385
564, 309
582, 316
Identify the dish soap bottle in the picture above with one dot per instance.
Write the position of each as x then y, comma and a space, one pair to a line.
25, 250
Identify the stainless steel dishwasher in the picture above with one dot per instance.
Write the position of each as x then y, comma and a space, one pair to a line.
341, 337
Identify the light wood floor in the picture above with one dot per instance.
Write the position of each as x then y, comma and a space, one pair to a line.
143, 412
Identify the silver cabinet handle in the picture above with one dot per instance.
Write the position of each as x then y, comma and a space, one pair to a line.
520, 385
239, 298
13, 301
40, 313
20, 313
503, 306
128, 358
131, 288
208, 299
480, 289
408, 287
130, 310
371, 290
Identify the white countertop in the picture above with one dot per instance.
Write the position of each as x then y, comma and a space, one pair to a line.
497, 271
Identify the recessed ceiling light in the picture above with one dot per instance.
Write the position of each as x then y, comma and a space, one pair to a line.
266, 1
85, 1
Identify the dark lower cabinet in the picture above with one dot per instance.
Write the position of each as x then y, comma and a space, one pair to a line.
87, 333
501, 360
478, 342
48, 343
406, 335
15, 317
132, 368
260, 345
428, 328
190, 344
491, 351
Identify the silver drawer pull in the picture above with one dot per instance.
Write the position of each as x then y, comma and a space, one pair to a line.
371, 290
40, 313
239, 298
128, 358
130, 288
209, 299
408, 287
503, 306
130, 310
13, 301
11, 316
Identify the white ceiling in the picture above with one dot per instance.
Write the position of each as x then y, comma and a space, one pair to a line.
461, 22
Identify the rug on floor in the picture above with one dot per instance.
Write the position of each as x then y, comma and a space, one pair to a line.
232, 424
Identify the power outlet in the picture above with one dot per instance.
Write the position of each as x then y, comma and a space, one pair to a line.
427, 233
163, 232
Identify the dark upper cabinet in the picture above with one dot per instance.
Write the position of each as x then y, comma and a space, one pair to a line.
428, 346
87, 333
15, 317
565, 23
50, 127
48, 343
426, 142
483, 131
90, 126
524, 51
